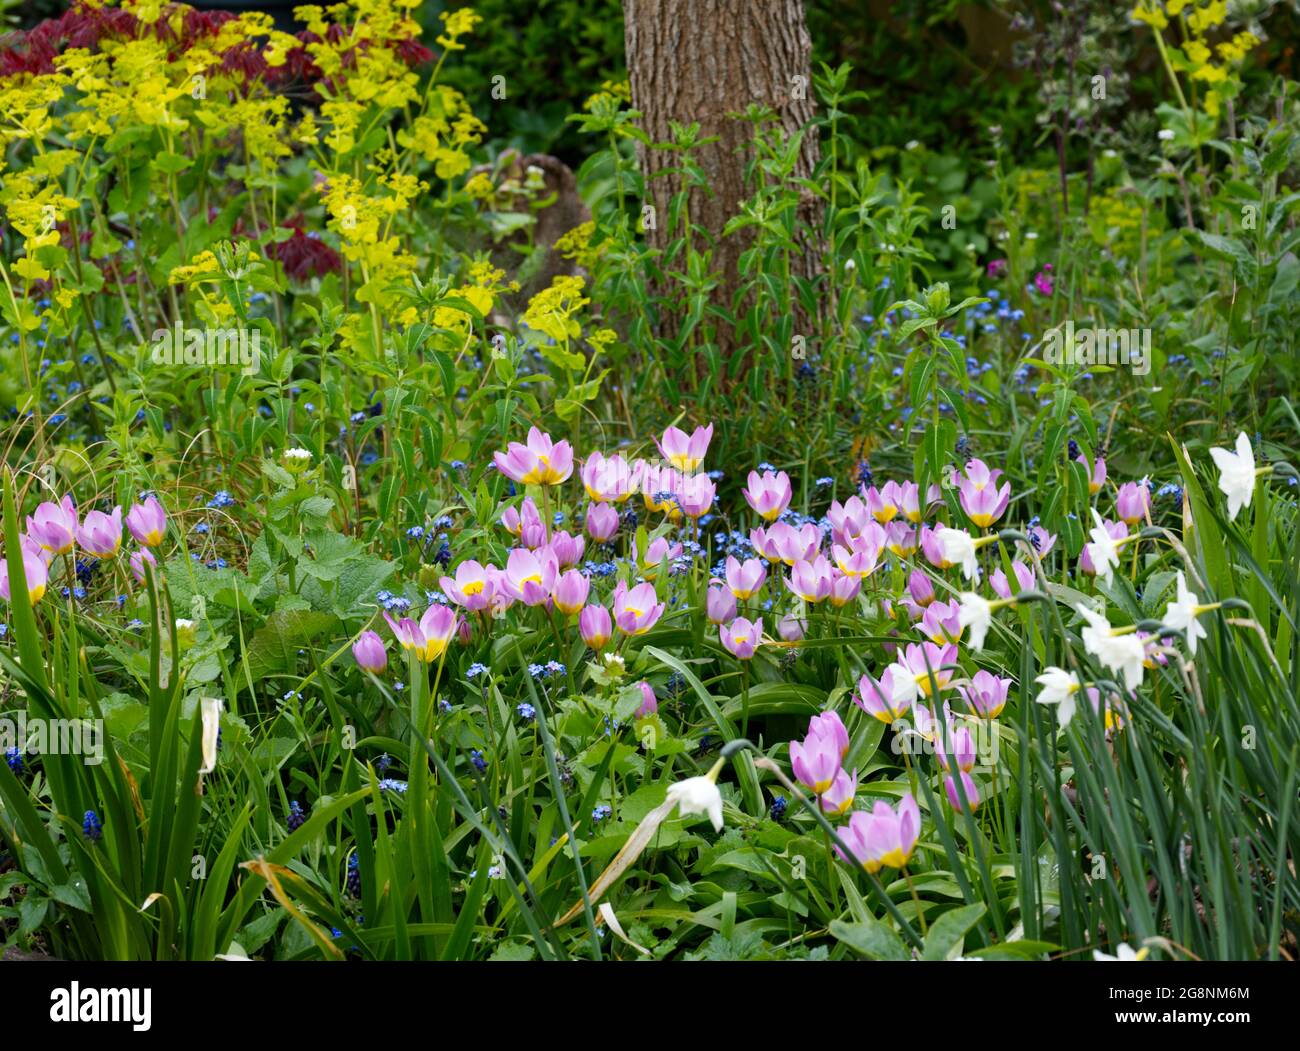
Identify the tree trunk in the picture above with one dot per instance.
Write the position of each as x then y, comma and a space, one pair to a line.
703, 61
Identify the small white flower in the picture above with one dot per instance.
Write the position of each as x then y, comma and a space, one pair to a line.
958, 548
1181, 614
1119, 653
1165, 135
1059, 687
1104, 550
297, 454
698, 795
1236, 474
1123, 952
976, 614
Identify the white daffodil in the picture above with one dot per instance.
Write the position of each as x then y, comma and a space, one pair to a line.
1181, 614
1236, 474
1123, 653
1059, 687
210, 716
958, 548
1104, 549
698, 795
975, 614
1123, 953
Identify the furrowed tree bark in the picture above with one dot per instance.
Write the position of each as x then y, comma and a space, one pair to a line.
706, 62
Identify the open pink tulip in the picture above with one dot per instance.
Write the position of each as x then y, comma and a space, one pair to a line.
471, 586
889, 699
741, 638
684, 452
885, 836
540, 462
986, 693
883, 504
636, 610
980, 498
531, 576
811, 581
768, 494
428, 637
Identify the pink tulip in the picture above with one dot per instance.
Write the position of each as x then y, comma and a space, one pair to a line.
941, 661
428, 637
883, 504
1040, 539
636, 610
34, 571
844, 589
683, 452
811, 581
54, 526
884, 836
471, 587
968, 784
979, 496
101, 534
1133, 503
745, 579
695, 495
608, 479
889, 699
791, 628
940, 622
963, 749
829, 724
567, 549
794, 545
595, 626
719, 605
529, 576
838, 799
498, 584
515, 520
1098, 476
986, 693
815, 762
920, 588
1002, 586
147, 522
138, 560
540, 462
769, 494
659, 550
862, 557
370, 653
602, 522
932, 549
649, 703
571, 591
847, 520
741, 638
764, 542
901, 539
